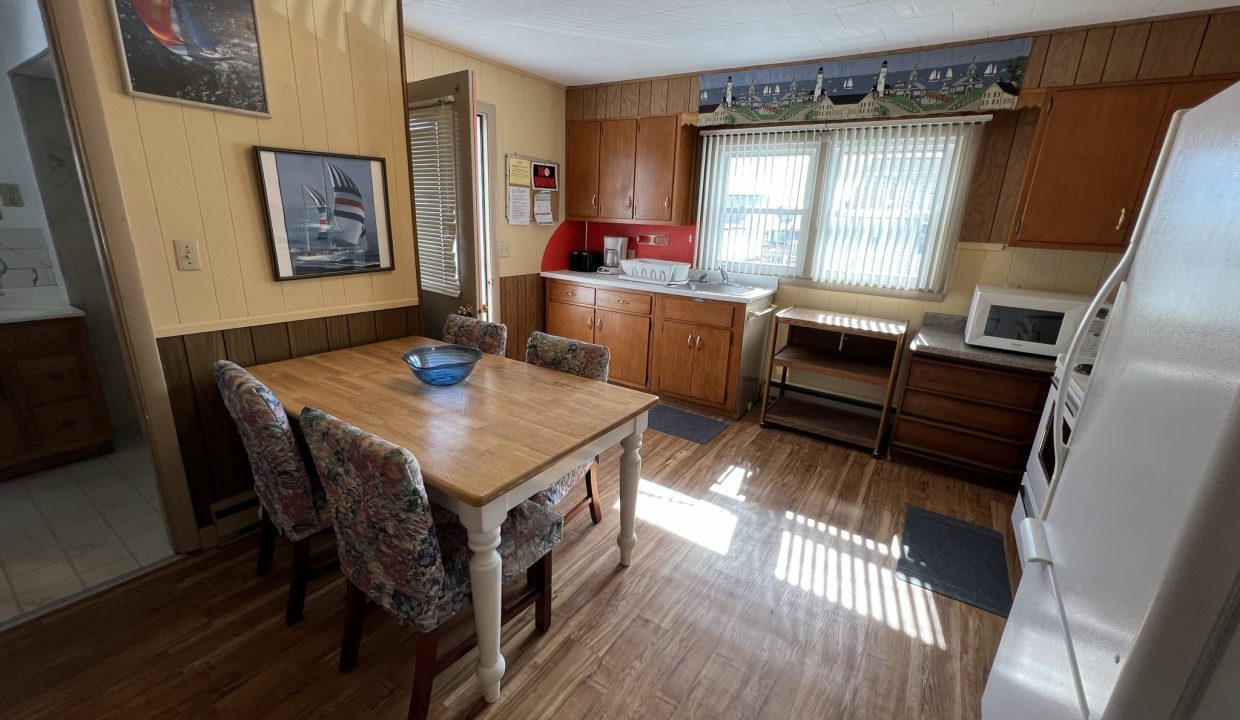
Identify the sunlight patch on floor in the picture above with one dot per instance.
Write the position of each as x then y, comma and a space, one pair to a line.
695, 520
840, 567
730, 482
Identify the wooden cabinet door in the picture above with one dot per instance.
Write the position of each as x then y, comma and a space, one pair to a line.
581, 173
618, 146
628, 337
1089, 166
655, 174
711, 350
674, 348
570, 321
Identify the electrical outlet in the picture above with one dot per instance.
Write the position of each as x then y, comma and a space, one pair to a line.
504, 250
187, 254
11, 195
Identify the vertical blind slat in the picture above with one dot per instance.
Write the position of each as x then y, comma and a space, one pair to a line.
433, 153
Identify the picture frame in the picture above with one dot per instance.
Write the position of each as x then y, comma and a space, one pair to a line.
206, 53
327, 213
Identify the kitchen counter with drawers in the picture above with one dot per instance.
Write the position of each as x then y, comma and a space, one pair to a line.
944, 335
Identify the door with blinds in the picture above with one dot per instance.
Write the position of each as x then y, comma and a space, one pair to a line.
441, 145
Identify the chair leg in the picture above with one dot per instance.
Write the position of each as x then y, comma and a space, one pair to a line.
354, 614
596, 505
301, 578
539, 579
266, 545
426, 651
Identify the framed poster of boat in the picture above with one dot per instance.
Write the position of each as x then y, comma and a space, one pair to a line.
327, 214
201, 52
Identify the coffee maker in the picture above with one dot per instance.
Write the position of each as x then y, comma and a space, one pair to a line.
615, 249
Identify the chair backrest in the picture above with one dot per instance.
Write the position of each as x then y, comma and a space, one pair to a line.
565, 355
488, 337
284, 483
385, 533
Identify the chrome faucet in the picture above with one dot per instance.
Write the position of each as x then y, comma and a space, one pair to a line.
723, 275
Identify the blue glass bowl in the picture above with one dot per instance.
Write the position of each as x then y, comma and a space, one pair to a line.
442, 364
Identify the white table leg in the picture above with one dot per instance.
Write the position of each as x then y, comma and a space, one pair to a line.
486, 578
630, 474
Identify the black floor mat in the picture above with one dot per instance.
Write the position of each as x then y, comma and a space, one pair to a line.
683, 424
951, 557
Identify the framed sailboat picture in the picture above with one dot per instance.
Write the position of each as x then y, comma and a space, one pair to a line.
326, 214
202, 52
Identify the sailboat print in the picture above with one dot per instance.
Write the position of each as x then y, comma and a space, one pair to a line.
337, 230
174, 25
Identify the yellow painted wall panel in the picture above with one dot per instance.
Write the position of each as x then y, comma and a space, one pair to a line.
283, 128
304, 49
219, 239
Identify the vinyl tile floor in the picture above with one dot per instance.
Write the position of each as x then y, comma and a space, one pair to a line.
78, 527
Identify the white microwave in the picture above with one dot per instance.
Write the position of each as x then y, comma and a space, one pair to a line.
1028, 321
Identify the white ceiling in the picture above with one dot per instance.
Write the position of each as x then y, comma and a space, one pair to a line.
578, 42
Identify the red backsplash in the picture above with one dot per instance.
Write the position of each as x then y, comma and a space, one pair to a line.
576, 235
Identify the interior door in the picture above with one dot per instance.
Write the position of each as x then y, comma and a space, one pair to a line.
628, 337
581, 175
675, 353
617, 154
655, 167
711, 349
1091, 162
571, 321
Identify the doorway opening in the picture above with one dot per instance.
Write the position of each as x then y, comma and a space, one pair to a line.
79, 504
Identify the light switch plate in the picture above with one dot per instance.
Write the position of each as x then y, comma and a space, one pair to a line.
11, 195
504, 250
187, 254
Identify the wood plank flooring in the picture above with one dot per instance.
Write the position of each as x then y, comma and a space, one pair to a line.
762, 587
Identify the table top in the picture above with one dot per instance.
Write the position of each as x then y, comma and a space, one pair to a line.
855, 324
475, 440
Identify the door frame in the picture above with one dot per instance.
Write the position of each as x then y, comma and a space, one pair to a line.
118, 261
488, 271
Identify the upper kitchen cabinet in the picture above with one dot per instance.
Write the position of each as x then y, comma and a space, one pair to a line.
582, 142
1091, 159
632, 169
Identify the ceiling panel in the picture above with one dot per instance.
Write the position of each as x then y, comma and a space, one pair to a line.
577, 42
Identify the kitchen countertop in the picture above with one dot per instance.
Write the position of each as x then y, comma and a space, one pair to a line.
943, 335
613, 281
28, 313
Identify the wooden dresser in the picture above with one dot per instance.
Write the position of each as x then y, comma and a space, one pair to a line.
969, 417
52, 409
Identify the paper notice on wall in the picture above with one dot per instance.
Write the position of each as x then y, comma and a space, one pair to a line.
542, 207
518, 171
518, 206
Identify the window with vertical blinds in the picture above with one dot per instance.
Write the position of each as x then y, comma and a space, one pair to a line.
433, 152
866, 205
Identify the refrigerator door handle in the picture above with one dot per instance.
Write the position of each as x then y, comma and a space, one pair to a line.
1113, 281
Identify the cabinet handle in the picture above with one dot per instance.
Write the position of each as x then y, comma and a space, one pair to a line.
623, 302
629, 201
689, 340
570, 294
667, 202
594, 200
599, 325
699, 343
590, 323
1120, 223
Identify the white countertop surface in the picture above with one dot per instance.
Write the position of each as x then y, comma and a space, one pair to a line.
618, 282
27, 313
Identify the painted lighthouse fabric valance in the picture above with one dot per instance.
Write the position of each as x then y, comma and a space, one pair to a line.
968, 78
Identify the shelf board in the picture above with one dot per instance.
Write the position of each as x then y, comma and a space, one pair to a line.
804, 358
833, 422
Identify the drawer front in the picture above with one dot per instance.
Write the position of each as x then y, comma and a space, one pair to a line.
69, 424
567, 292
39, 339
702, 313
996, 386
623, 301
920, 436
1015, 424
56, 378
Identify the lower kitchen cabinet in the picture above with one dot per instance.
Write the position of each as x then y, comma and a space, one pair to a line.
570, 321
697, 366
628, 338
584, 313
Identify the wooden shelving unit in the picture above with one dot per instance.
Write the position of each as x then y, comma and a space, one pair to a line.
853, 347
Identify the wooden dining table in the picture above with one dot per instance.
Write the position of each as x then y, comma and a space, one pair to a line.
484, 445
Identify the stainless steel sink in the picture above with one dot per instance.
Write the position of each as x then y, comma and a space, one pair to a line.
729, 289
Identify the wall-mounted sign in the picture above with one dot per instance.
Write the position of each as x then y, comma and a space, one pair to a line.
518, 171
968, 78
546, 176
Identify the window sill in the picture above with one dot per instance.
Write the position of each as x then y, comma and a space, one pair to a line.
861, 290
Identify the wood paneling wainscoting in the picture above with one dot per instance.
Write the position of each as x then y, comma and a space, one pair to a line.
523, 308
216, 467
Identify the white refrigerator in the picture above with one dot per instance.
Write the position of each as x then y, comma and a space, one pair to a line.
1132, 608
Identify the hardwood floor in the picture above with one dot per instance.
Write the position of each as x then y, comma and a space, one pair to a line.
725, 613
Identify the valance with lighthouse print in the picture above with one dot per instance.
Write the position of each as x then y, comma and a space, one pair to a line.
968, 78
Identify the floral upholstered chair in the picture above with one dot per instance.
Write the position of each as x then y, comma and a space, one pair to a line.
288, 490
586, 360
410, 557
488, 337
